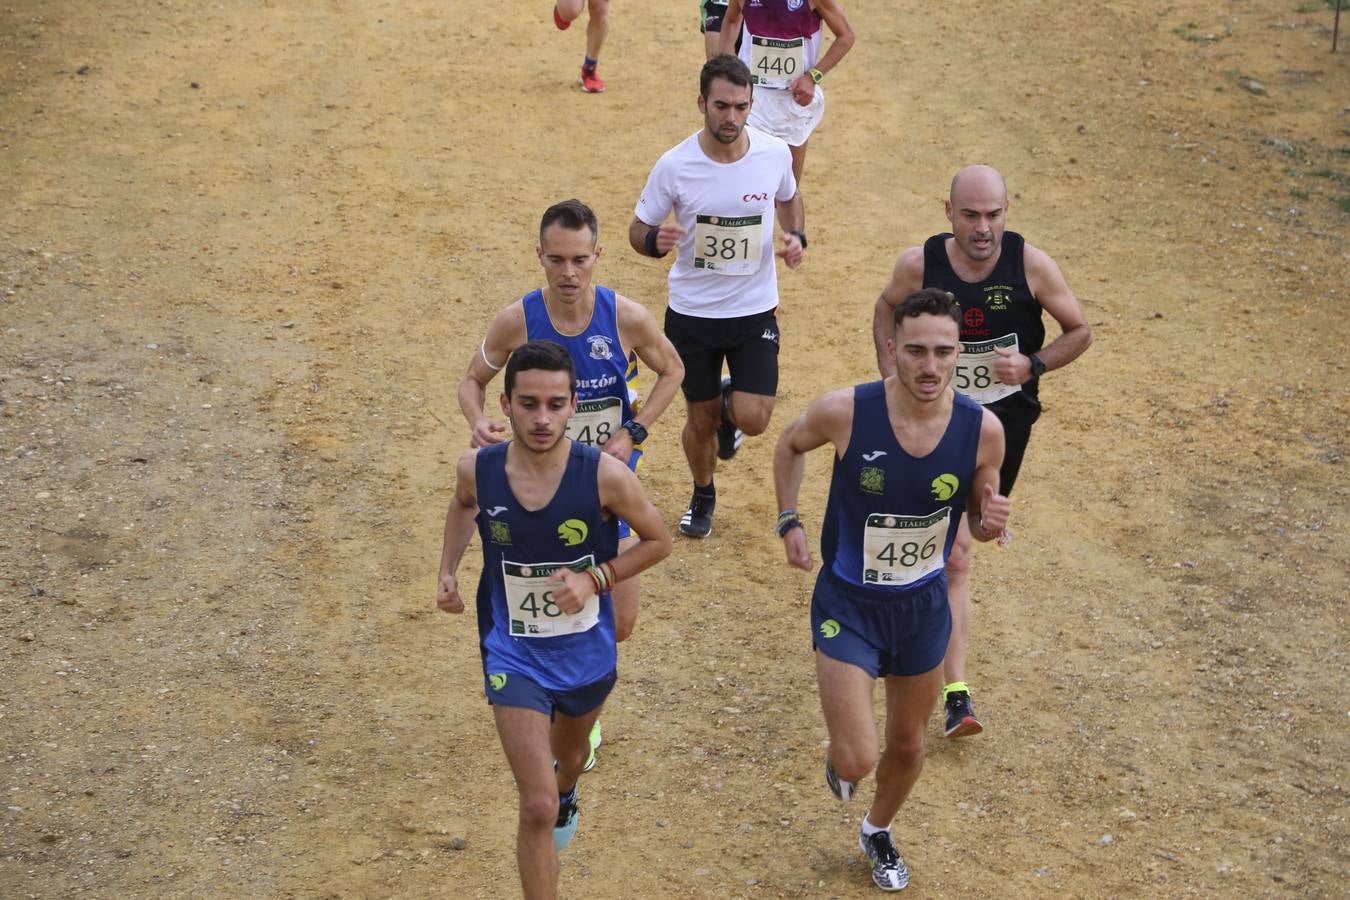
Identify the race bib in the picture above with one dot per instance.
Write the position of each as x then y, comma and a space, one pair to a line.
529, 599
595, 420
975, 371
776, 63
899, 550
728, 246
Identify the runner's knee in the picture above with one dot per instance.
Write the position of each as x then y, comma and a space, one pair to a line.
853, 763
539, 809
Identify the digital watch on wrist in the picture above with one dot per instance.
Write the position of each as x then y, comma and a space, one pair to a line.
637, 431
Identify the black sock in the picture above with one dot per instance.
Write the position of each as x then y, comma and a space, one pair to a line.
709, 491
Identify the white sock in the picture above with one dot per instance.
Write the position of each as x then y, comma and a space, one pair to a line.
868, 829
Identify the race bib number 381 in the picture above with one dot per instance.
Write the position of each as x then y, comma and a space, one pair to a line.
729, 246
529, 599
975, 376
899, 550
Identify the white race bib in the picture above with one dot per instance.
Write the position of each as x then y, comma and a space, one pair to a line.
595, 420
529, 600
899, 550
975, 375
776, 63
729, 246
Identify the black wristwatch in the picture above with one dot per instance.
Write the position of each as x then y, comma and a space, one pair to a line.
637, 431
1037, 367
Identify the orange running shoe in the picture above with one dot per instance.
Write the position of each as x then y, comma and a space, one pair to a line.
590, 82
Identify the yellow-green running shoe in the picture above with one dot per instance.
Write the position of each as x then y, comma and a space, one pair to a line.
596, 738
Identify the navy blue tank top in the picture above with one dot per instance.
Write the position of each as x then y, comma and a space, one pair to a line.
521, 630
607, 376
1000, 305
892, 517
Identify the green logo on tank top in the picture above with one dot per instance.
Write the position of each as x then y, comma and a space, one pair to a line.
572, 532
499, 532
945, 485
872, 480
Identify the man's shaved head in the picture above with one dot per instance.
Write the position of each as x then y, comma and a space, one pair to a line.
982, 179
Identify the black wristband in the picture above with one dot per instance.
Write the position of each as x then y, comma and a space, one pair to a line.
649, 245
638, 433
801, 236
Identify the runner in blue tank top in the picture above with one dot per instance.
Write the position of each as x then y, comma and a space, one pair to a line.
605, 334
911, 457
546, 508
1004, 286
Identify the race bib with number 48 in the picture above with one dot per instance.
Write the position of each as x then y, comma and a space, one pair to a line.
595, 421
529, 599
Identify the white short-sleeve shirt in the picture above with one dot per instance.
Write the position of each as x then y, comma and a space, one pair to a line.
726, 209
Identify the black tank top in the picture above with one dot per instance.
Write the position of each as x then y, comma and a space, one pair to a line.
999, 305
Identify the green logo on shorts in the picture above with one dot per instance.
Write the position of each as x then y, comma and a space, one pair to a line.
945, 485
829, 628
872, 480
573, 532
497, 681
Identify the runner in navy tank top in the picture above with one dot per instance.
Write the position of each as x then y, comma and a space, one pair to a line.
546, 508
911, 457
1004, 285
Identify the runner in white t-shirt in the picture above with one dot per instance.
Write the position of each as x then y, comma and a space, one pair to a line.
725, 185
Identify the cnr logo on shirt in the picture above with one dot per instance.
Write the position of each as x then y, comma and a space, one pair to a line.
750, 198
573, 532
945, 485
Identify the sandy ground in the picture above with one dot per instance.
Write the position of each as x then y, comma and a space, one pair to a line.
246, 251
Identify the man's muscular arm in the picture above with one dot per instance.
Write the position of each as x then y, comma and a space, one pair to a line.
906, 278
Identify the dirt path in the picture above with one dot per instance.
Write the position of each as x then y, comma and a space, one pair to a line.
246, 252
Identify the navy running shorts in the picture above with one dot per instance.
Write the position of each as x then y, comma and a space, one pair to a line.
514, 689
900, 635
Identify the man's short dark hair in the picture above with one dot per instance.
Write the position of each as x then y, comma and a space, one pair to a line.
927, 302
725, 66
572, 215
546, 355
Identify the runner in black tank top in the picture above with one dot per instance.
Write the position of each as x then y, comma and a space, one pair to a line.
1003, 285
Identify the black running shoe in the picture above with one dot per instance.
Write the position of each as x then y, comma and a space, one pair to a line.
729, 437
568, 813
697, 520
961, 721
888, 869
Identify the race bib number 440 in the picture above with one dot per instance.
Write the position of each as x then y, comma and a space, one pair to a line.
776, 63
899, 550
975, 376
728, 246
595, 421
529, 599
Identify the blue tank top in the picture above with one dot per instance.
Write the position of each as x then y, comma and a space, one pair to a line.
605, 373
519, 627
892, 517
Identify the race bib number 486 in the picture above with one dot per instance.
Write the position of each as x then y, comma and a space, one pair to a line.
975, 376
729, 246
899, 550
529, 599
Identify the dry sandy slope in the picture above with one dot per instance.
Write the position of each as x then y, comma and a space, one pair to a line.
233, 315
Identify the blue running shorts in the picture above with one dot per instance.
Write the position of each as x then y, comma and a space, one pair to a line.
514, 689
895, 635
